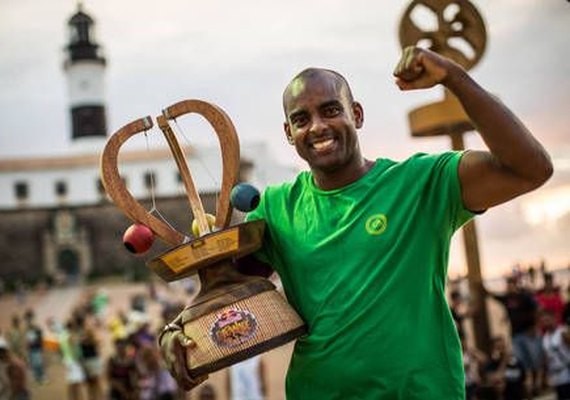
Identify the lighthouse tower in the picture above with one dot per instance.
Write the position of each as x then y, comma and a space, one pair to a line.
85, 69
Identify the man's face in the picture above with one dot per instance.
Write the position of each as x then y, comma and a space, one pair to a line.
322, 122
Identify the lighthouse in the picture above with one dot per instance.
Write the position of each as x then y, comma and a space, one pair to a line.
85, 71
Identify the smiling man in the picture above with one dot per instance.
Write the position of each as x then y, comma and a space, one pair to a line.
361, 246
322, 119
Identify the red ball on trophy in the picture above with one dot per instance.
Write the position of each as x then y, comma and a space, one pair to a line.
138, 238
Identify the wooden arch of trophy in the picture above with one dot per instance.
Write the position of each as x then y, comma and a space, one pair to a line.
234, 316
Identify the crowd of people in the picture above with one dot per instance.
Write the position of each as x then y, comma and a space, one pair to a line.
534, 356
533, 359
107, 355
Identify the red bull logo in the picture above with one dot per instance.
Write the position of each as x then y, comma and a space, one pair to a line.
233, 327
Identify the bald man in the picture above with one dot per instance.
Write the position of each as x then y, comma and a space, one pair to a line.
361, 246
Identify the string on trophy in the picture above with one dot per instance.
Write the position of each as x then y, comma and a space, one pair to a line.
198, 157
154, 210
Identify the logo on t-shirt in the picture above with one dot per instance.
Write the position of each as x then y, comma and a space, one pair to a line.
376, 224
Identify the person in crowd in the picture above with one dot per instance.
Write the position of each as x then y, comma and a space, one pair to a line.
543, 269
122, 374
246, 380
13, 381
68, 340
117, 325
35, 346
522, 312
16, 338
503, 374
99, 304
156, 383
566, 311
91, 361
473, 359
138, 303
531, 273
141, 333
556, 343
550, 299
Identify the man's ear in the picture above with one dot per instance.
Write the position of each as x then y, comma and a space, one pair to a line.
358, 114
287, 130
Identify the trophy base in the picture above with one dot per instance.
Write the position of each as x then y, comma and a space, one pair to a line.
239, 329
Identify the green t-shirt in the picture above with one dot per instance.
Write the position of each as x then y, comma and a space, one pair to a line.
365, 266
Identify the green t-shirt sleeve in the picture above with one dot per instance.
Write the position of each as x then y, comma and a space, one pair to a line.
437, 175
448, 164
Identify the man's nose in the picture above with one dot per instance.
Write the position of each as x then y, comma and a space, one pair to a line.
318, 125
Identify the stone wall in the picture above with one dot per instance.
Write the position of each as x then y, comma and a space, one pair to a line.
28, 250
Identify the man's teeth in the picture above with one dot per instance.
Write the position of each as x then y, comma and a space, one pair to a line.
323, 144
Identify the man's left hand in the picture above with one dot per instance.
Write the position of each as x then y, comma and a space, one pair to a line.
420, 69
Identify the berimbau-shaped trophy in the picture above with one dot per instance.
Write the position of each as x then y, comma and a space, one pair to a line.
234, 316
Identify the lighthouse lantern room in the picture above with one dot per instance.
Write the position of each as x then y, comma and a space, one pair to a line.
85, 69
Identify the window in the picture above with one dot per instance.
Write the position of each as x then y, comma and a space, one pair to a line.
21, 190
150, 180
60, 188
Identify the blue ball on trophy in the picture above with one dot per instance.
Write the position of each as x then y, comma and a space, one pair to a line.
244, 197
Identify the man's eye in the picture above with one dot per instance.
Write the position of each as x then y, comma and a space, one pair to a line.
300, 120
332, 111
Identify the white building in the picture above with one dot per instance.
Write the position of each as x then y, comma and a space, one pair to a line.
37, 194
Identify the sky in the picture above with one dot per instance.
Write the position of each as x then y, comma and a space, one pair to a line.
240, 55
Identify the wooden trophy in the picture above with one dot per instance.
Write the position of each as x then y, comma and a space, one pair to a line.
234, 316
